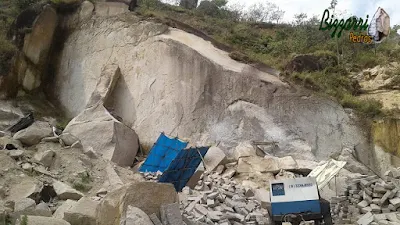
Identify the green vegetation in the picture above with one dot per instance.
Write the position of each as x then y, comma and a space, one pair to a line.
24, 220
82, 183
9, 9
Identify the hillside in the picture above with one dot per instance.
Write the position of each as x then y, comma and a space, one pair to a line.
276, 44
100, 100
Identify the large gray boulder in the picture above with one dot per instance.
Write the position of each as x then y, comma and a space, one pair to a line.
353, 165
40, 220
136, 216
59, 213
253, 164
213, 158
34, 133
97, 129
64, 191
147, 196
37, 47
82, 213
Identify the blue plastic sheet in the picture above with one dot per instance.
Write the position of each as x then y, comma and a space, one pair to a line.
183, 167
163, 152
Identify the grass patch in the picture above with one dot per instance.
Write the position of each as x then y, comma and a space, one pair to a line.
369, 107
83, 182
62, 123
24, 220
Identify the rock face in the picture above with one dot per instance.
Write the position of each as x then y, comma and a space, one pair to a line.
97, 129
302, 63
181, 84
36, 48
34, 133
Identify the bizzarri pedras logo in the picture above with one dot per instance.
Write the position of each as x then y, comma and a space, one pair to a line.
361, 32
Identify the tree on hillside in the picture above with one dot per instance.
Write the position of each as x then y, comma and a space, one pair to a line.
300, 19
277, 15
264, 12
189, 4
220, 3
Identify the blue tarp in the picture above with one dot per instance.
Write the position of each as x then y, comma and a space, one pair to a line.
163, 152
183, 167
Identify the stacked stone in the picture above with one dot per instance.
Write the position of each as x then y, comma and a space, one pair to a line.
150, 176
219, 200
340, 210
369, 200
378, 196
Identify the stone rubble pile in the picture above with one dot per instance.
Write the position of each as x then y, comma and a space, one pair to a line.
216, 199
369, 200
149, 176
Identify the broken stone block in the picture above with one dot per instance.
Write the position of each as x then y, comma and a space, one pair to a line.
83, 212
367, 198
113, 180
135, 216
147, 196
42, 209
366, 219
379, 217
391, 207
375, 208
287, 163
24, 205
383, 222
65, 192
385, 198
16, 154
171, 214
235, 216
195, 177
98, 129
395, 202
220, 169
244, 149
394, 173
34, 133
27, 188
201, 209
366, 209
379, 188
256, 164
155, 220
392, 217
229, 173
263, 197
213, 158
46, 157
40, 220
214, 216
59, 213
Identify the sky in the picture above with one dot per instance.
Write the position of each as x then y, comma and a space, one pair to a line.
360, 8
